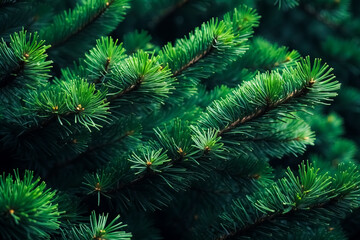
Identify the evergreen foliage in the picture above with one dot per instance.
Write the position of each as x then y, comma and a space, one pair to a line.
28, 208
194, 131
98, 229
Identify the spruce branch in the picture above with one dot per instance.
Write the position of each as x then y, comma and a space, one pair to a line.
272, 56
293, 198
305, 85
297, 88
143, 77
73, 22
24, 63
133, 80
272, 138
209, 49
27, 207
133, 87
64, 99
90, 20
262, 111
161, 162
262, 56
98, 229
102, 59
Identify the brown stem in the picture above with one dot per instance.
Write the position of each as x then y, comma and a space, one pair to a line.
81, 28
268, 107
132, 87
104, 72
237, 233
195, 59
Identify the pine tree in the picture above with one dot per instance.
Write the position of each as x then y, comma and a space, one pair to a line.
158, 135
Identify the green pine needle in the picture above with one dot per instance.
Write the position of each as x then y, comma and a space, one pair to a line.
27, 208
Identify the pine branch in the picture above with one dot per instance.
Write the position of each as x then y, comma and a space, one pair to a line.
127, 90
302, 86
209, 49
64, 100
308, 83
88, 21
311, 193
262, 56
24, 64
76, 15
97, 229
137, 78
195, 59
92, 19
27, 207
268, 107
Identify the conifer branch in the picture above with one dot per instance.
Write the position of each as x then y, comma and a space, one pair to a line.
103, 72
102, 59
296, 84
268, 107
269, 218
24, 63
28, 207
74, 97
87, 21
209, 49
132, 87
92, 19
290, 198
195, 59
271, 93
